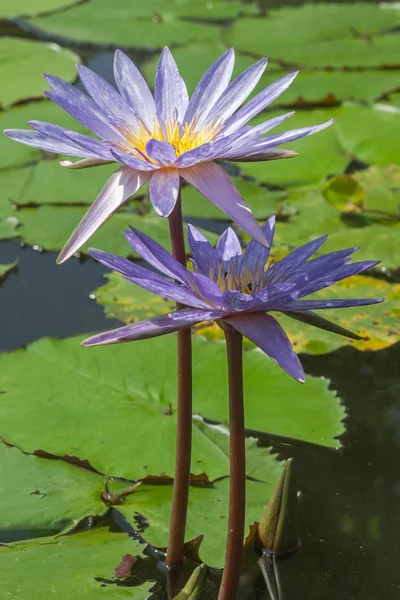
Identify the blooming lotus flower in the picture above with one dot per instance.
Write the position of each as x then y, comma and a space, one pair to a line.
241, 289
164, 138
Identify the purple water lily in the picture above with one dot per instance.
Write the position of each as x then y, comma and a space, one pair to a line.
165, 137
241, 289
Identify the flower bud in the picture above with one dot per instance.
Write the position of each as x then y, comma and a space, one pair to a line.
278, 530
195, 584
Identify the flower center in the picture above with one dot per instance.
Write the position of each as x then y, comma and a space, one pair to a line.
181, 137
232, 276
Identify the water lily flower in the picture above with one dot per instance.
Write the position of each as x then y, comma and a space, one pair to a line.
164, 138
238, 288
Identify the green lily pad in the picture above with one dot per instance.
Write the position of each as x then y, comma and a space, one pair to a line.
141, 25
370, 133
65, 380
44, 497
15, 154
10, 9
8, 228
22, 63
321, 35
208, 512
80, 565
50, 226
309, 87
381, 186
4, 269
49, 183
318, 155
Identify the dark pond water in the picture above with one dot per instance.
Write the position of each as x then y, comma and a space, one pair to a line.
350, 504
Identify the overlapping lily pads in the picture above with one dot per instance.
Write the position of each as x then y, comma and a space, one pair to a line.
22, 63
141, 25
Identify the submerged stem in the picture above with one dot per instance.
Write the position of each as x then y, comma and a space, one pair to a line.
237, 490
180, 496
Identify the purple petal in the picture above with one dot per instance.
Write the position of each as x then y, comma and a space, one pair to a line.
236, 93
259, 102
332, 277
132, 161
228, 245
90, 144
293, 260
256, 254
273, 154
201, 250
105, 96
211, 86
287, 136
148, 280
161, 152
79, 106
235, 301
85, 163
38, 140
119, 188
315, 320
169, 89
212, 181
164, 190
134, 89
152, 328
156, 255
300, 305
268, 335
207, 288
196, 155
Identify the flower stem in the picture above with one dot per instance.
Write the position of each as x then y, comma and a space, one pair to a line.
180, 496
237, 491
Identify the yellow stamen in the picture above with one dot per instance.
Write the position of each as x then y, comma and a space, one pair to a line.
182, 138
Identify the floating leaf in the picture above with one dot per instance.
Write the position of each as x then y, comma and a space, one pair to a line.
370, 133
10, 9
80, 565
127, 396
8, 228
382, 187
4, 269
151, 24
44, 497
49, 183
22, 63
333, 35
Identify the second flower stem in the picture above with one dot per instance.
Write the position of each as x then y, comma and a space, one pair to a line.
237, 490
180, 496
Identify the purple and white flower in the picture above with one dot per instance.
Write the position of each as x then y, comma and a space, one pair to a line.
238, 288
166, 137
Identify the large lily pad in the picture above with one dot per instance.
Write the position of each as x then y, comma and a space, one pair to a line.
333, 35
319, 155
370, 133
44, 497
141, 25
48, 183
22, 63
128, 400
309, 87
80, 565
10, 9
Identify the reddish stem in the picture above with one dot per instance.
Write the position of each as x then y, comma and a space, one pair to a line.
237, 490
180, 496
